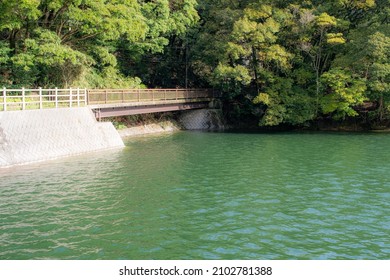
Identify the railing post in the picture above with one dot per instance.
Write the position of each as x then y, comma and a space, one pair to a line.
23, 99
139, 95
4, 99
56, 97
86, 97
70, 98
165, 95
106, 97
176, 93
78, 97
153, 91
40, 99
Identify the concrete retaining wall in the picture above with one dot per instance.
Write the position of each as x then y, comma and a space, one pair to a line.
38, 135
204, 119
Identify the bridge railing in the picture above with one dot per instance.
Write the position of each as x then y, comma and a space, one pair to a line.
29, 99
115, 96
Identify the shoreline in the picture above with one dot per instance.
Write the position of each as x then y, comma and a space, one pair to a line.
171, 126
149, 129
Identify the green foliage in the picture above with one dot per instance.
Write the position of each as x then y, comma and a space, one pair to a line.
228, 74
285, 103
325, 21
64, 42
15, 13
278, 56
335, 38
281, 62
4, 61
343, 92
163, 19
119, 125
106, 20
110, 77
262, 98
367, 56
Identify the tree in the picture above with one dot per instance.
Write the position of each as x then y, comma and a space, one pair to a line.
378, 69
16, 18
318, 42
65, 42
367, 53
343, 93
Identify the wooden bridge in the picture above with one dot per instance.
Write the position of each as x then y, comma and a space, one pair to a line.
108, 102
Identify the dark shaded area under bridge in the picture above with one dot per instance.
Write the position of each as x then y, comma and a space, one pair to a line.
123, 102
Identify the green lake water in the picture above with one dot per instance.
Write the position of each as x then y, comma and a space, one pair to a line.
194, 195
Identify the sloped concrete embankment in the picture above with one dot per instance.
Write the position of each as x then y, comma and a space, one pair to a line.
39, 135
153, 128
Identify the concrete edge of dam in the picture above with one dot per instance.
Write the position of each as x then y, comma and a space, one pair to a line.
40, 135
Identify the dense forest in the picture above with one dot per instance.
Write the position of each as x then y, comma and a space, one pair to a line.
278, 62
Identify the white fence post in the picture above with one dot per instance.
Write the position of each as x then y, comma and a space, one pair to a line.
4, 99
56, 97
85, 97
23, 99
70, 98
40, 99
78, 97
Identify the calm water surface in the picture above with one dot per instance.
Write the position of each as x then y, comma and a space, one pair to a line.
196, 195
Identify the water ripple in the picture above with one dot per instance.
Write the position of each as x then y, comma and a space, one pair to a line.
205, 196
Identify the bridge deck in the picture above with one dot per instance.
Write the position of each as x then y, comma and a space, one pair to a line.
110, 103
107, 102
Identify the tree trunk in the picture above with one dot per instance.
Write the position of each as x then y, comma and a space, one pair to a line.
317, 89
254, 58
12, 41
381, 108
